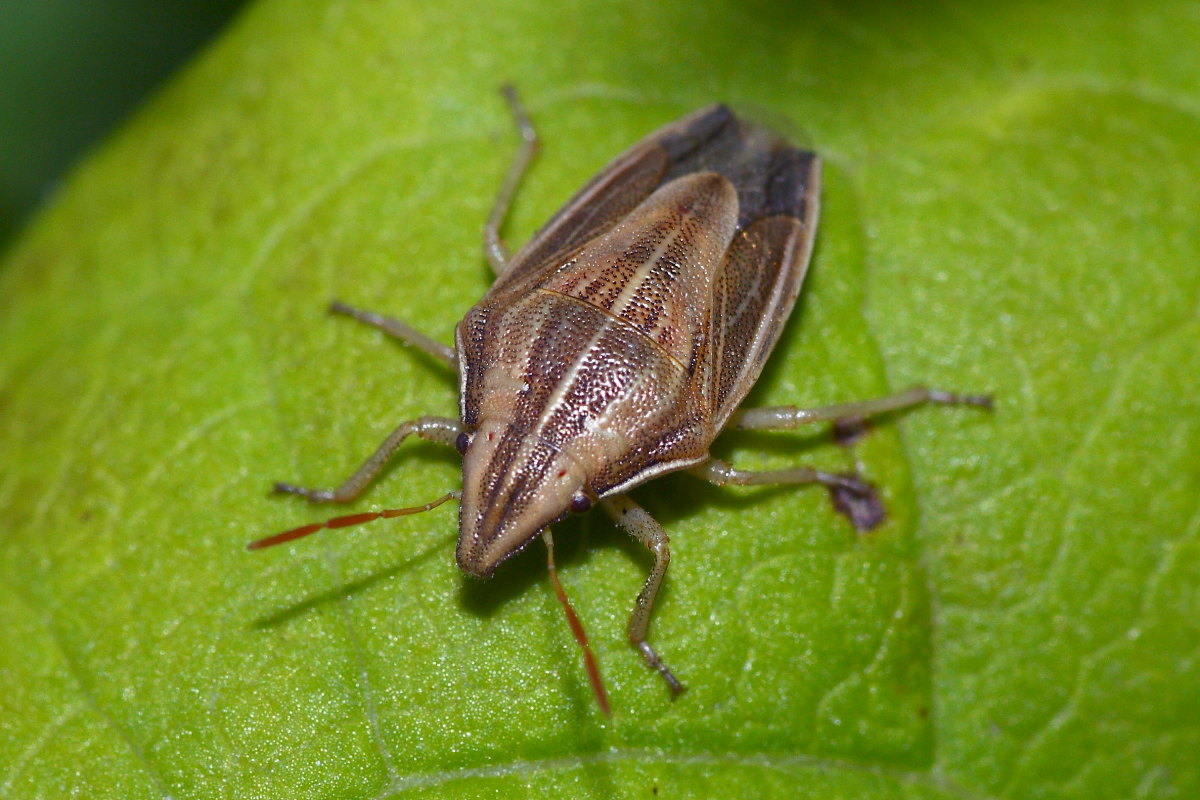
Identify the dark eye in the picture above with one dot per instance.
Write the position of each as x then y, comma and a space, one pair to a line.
580, 503
462, 443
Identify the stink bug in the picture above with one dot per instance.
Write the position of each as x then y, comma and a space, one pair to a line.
618, 343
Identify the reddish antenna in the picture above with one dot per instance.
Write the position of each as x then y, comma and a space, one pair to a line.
346, 521
589, 658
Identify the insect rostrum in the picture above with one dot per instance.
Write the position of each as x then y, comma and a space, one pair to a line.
620, 341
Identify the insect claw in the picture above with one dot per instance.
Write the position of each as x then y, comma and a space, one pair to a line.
655, 662
848, 482
673, 683
316, 495
983, 401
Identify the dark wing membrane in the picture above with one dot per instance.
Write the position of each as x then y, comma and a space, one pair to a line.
758, 283
612, 194
771, 176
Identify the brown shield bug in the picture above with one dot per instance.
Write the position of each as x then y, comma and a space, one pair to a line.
618, 343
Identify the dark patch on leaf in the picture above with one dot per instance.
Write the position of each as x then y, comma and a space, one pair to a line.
848, 430
859, 502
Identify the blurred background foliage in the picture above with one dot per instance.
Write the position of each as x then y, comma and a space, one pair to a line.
71, 70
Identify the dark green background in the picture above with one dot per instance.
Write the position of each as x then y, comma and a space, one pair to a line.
72, 70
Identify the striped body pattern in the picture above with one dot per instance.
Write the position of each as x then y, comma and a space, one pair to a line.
617, 343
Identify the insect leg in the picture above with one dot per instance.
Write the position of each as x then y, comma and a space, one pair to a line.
635, 519
395, 328
434, 429
493, 245
851, 495
721, 473
787, 417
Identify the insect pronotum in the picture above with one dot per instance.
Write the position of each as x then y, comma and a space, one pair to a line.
617, 344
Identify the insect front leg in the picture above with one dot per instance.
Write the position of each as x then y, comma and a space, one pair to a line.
789, 417
395, 328
635, 519
435, 429
493, 245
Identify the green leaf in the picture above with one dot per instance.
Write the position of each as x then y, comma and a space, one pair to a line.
1010, 206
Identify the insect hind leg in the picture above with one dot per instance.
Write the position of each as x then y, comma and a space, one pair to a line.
721, 473
789, 417
852, 496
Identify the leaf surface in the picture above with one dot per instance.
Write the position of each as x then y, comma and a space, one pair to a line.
1010, 203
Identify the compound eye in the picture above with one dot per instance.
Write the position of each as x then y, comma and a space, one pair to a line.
580, 503
462, 443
